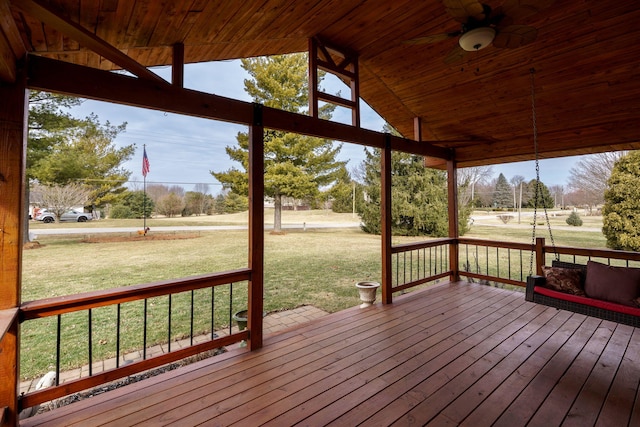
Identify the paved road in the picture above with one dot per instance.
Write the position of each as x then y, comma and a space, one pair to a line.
79, 230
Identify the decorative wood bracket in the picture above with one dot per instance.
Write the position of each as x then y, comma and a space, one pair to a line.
342, 64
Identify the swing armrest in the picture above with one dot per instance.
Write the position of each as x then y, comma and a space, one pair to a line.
532, 282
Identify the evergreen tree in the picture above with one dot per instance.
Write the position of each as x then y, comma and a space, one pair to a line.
545, 199
342, 193
295, 165
621, 211
62, 149
419, 197
502, 193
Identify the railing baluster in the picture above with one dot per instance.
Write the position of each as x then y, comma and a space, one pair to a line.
144, 332
230, 306
90, 344
169, 325
404, 267
58, 350
191, 326
213, 305
118, 337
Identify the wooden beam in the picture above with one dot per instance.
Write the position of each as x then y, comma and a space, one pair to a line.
13, 148
256, 229
177, 66
61, 77
385, 219
454, 232
11, 45
48, 16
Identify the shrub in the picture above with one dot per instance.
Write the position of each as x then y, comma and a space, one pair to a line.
121, 212
574, 219
505, 218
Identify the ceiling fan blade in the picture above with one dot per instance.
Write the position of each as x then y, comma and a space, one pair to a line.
520, 9
462, 10
515, 36
456, 54
432, 38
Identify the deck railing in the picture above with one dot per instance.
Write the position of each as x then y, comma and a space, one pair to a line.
501, 262
414, 264
176, 307
582, 256
493, 261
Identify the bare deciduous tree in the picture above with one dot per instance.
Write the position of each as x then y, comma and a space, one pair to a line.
58, 199
468, 178
588, 178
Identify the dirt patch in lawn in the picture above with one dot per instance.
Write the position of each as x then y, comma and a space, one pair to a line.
139, 238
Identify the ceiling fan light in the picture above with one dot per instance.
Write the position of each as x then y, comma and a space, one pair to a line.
477, 39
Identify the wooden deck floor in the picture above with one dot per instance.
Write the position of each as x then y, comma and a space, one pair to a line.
455, 354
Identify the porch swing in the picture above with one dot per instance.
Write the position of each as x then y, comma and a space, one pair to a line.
564, 284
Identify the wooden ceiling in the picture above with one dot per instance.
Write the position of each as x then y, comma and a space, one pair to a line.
586, 59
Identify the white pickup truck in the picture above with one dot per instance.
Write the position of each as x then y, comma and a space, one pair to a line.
72, 215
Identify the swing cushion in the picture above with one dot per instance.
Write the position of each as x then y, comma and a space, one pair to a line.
614, 284
590, 302
568, 280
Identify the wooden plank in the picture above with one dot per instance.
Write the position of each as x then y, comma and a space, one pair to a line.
272, 375
426, 359
451, 382
446, 363
385, 222
618, 406
65, 304
256, 228
361, 370
55, 76
587, 405
7, 317
284, 354
528, 387
433, 351
86, 38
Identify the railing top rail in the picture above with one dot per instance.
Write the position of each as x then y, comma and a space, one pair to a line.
496, 243
403, 247
595, 253
64, 304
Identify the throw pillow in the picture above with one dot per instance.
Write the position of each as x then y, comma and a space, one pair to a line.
615, 284
566, 280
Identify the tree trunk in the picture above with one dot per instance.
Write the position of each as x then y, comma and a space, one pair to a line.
277, 213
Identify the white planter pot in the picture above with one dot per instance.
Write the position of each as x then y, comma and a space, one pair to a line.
367, 291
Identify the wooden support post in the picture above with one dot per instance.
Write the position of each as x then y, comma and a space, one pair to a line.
256, 228
313, 77
385, 218
13, 147
540, 255
177, 66
452, 193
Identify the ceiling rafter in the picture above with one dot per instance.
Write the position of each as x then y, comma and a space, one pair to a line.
44, 13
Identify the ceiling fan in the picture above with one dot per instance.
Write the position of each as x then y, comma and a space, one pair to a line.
482, 26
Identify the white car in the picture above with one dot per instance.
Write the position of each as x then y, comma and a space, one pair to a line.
75, 216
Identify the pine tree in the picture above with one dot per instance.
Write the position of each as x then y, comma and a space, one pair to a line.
502, 193
295, 165
621, 211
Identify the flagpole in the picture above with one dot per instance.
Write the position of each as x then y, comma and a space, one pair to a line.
144, 189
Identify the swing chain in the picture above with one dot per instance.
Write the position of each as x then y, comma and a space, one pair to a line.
538, 184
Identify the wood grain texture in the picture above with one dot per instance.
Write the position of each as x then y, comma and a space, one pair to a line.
455, 353
585, 59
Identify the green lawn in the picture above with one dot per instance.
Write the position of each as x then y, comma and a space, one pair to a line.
317, 267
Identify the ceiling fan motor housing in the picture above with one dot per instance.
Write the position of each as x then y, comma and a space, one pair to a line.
477, 39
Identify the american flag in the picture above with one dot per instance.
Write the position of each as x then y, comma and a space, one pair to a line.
145, 163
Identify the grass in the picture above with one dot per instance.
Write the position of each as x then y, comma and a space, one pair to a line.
317, 267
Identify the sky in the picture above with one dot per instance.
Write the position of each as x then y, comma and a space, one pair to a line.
183, 150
